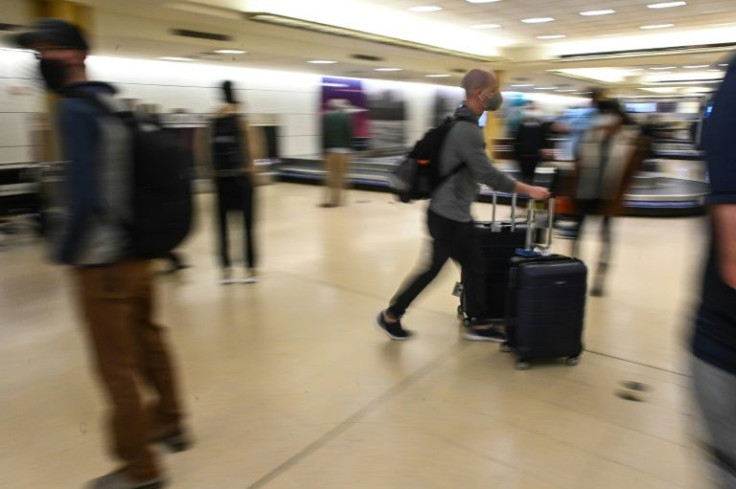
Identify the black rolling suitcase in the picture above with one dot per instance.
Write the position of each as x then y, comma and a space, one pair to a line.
497, 242
546, 304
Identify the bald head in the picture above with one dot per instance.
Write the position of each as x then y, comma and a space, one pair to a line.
478, 79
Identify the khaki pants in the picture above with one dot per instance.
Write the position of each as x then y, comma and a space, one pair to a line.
129, 349
337, 166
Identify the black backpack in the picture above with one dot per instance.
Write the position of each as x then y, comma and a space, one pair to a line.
162, 190
418, 175
227, 143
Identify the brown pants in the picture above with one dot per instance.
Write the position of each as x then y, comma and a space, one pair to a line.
337, 167
128, 347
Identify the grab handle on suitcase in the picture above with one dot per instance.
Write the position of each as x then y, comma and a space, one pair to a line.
531, 224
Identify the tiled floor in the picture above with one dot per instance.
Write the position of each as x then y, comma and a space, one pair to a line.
290, 386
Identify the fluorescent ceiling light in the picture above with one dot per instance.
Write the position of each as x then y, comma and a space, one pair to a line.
425, 8
537, 20
485, 26
482, 1
388, 69
594, 13
662, 67
322, 62
723, 64
174, 58
552, 36
568, 90
678, 77
439, 75
693, 67
715, 71
545, 88
520, 85
656, 26
607, 75
230, 51
666, 4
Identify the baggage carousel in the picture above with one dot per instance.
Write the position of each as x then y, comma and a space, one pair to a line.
656, 194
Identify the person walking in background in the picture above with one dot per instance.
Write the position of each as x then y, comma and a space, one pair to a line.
337, 137
448, 216
114, 289
234, 171
714, 337
532, 142
607, 157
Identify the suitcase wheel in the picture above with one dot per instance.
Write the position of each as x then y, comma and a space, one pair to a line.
573, 361
522, 365
460, 311
506, 348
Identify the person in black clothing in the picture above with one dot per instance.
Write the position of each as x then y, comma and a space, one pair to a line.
714, 338
234, 181
531, 142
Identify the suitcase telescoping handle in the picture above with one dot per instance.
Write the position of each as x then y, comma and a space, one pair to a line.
514, 198
531, 225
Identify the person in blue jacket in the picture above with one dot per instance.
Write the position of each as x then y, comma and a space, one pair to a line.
714, 337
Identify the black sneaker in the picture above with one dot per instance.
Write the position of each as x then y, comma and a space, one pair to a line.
477, 333
393, 330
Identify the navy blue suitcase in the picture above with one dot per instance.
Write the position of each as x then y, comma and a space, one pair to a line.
497, 242
546, 308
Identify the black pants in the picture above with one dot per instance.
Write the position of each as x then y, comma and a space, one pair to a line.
450, 239
235, 194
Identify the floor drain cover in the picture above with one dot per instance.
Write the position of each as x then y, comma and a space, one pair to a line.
629, 396
635, 386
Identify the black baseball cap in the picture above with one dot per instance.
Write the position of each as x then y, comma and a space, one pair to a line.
56, 32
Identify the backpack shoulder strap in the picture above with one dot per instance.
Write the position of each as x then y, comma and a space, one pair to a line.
108, 104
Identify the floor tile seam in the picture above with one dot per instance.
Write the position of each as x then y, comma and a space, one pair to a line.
485, 456
355, 418
606, 422
536, 476
343, 288
560, 442
641, 364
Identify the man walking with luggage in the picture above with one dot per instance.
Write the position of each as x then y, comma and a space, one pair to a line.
714, 339
114, 290
448, 217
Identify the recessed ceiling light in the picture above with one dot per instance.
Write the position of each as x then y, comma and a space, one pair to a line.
322, 62
594, 13
656, 26
552, 36
662, 67
439, 75
483, 1
522, 85
693, 67
388, 69
666, 4
485, 26
425, 8
174, 58
537, 20
230, 51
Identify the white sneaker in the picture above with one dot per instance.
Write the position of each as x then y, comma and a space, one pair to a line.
227, 277
251, 277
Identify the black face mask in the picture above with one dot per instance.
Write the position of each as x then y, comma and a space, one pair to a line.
53, 73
